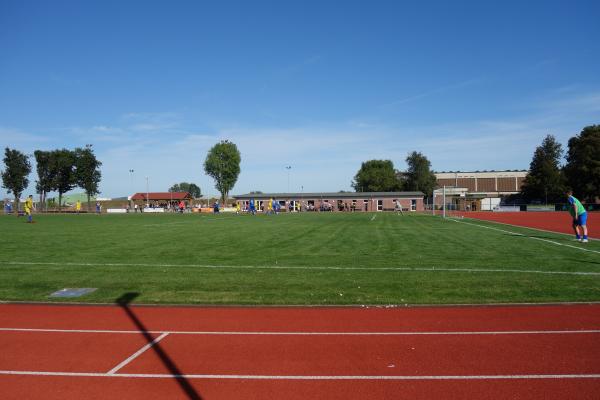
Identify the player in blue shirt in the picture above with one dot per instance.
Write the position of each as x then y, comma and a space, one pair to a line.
252, 208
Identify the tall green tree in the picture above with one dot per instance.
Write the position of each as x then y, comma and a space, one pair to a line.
62, 166
545, 180
223, 165
376, 176
14, 176
45, 179
419, 176
191, 188
583, 163
87, 173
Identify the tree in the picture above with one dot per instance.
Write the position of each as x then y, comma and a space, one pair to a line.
419, 176
376, 176
223, 165
545, 180
191, 188
62, 166
87, 174
14, 177
45, 179
583, 163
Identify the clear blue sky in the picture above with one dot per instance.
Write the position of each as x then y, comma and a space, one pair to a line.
317, 85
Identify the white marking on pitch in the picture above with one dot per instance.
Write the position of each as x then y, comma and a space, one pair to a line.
283, 267
306, 377
373, 218
198, 220
137, 354
523, 235
298, 333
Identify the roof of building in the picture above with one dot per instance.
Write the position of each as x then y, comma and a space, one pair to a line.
481, 174
329, 195
162, 196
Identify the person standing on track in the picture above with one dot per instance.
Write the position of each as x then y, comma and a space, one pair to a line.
579, 215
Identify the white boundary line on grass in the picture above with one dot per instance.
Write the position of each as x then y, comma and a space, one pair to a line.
282, 267
306, 377
298, 333
197, 220
137, 353
523, 235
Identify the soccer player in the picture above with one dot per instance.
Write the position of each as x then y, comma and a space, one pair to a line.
78, 206
579, 215
29, 208
398, 208
252, 208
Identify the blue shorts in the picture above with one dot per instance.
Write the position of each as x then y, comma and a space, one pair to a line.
582, 219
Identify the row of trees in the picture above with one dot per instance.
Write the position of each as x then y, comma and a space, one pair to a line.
381, 176
548, 179
58, 171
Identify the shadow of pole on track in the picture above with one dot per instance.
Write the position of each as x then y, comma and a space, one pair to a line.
185, 385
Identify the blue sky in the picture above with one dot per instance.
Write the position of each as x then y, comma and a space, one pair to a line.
317, 85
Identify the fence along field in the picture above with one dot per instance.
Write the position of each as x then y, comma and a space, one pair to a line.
322, 258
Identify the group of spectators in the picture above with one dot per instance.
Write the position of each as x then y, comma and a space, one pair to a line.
173, 206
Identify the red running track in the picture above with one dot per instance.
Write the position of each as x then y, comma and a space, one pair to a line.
548, 221
494, 352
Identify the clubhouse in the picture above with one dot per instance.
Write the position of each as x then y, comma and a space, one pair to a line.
342, 201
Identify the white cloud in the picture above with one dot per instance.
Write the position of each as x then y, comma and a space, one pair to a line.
324, 157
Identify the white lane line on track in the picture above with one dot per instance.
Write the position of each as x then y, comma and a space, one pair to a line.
283, 267
300, 333
137, 354
523, 235
524, 227
306, 377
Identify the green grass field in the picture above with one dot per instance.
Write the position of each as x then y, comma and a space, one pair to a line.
308, 258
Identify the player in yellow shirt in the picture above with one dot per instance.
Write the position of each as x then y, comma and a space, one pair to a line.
29, 208
78, 206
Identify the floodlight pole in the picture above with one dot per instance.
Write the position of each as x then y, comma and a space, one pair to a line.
288, 167
131, 180
444, 202
131, 171
147, 194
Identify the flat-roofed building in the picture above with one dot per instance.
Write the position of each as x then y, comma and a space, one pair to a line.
342, 201
161, 199
497, 182
477, 190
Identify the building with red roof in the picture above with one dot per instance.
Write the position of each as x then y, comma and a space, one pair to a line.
162, 196
166, 200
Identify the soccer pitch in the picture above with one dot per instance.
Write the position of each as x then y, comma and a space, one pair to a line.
293, 259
